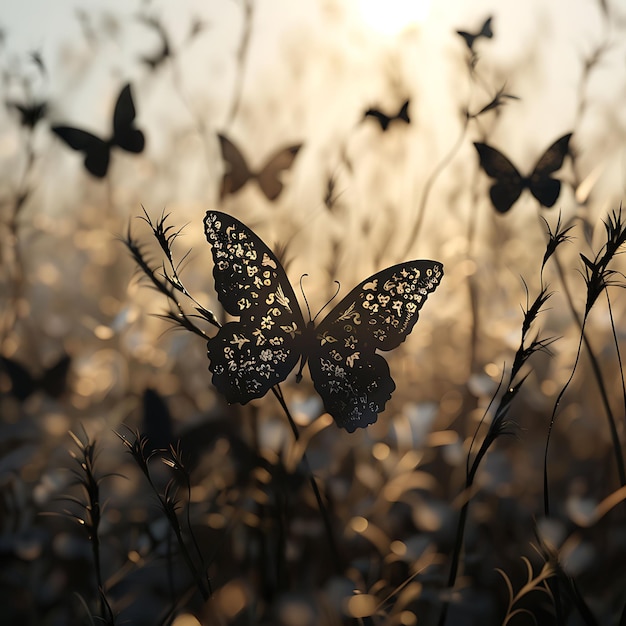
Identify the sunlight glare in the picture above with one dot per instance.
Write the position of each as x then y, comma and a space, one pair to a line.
392, 16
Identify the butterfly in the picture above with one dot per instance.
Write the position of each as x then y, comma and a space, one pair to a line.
238, 173
156, 59
98, 151
157, 421
510, 183
30, 114
53, 380
249, 356
470, 38
384, 120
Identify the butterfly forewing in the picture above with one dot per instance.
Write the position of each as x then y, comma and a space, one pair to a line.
251, 355
353, 381
553, 158
125, 135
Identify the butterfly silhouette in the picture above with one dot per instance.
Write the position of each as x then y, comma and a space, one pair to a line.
249, 356
470, 38
156, 421
510, 183
238, 173
30, 114
156, 59
385, 120
98, 151
52, 381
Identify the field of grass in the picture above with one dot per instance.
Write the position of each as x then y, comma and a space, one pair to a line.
489, 491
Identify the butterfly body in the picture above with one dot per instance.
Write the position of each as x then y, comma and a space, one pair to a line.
385, 120
238, 173
251, 355
97, 151
509, 183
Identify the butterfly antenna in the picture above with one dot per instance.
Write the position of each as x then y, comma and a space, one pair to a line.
308, 308
329, 301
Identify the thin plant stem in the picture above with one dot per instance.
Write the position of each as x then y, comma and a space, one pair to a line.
595, 366
318, 496
428, 185
617, 350
242, 52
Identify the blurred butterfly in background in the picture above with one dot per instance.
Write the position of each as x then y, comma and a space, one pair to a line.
30, 114
23, 384
159, 57
510, 183
98, 151
470, 38
385, 120
248, 357
157, 422
238, 173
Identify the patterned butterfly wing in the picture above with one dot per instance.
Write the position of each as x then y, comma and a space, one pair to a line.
353, 381
237, 173
249, 356
269, 177
125, 134
509, 183
97, 151
545, 188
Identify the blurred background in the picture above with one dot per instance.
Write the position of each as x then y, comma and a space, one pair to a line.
85, 348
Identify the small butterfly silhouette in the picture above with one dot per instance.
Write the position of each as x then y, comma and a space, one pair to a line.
156, 59
52, 381
238, 173
30, 114
385, 120
249, 356
470, 38
510, 183
98, 151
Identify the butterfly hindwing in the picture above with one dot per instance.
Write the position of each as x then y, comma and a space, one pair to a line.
378, 314
251, 355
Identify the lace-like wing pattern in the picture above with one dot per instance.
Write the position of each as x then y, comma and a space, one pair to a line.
251, 355
353, 381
